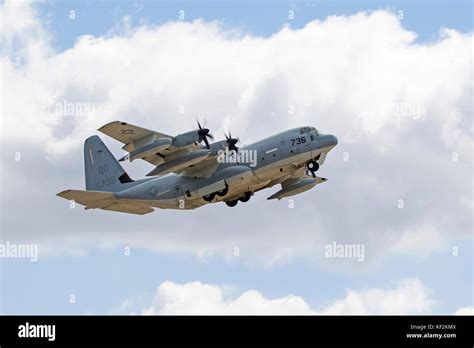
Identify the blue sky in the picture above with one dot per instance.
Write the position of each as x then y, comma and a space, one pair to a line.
262, 18
104, 278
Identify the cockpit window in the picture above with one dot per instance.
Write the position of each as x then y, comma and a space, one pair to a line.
306, 130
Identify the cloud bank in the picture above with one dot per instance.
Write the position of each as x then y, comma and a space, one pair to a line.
408, 296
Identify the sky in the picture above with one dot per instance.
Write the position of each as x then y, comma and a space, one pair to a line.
391, 79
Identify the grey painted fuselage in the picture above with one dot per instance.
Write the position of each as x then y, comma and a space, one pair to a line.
276, 159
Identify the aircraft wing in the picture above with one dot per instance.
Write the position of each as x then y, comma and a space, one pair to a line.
105, 201
128, 133
205, 167
132, 136
172, 160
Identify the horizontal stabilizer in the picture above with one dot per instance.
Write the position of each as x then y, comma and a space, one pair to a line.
130, 208
105, 200
90, 199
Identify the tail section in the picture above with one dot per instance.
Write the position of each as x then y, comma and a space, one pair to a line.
103, 172
104, 177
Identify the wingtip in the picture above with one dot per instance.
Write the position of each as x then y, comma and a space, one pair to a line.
111, 123
62, 193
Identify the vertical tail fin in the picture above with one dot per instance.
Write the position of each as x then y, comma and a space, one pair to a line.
103, 172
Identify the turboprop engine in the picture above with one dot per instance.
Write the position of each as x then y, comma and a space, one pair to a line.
180, 163
149, 149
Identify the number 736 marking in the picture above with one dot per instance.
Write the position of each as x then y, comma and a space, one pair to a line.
298, 141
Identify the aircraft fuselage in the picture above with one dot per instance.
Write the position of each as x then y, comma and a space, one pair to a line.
262, 164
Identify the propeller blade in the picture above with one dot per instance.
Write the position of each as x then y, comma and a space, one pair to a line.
231, 142
206, 142
204, 134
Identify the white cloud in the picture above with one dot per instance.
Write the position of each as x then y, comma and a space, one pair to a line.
198, 298
400, 110
422, 241
465, 311
409, 296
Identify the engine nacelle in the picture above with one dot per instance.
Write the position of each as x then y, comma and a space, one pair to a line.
180, 163
155, 146
186, 139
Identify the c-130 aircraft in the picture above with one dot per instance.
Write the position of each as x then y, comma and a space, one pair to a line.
189, 174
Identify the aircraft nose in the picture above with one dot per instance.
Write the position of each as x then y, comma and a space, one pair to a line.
333, 140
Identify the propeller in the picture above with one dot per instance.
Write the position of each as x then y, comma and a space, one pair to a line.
204, 134
231, 142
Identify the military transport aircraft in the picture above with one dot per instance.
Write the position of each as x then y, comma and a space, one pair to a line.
190, 172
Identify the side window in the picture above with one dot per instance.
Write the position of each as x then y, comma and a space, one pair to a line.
312, 137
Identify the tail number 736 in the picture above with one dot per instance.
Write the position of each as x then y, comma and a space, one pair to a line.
298, 141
